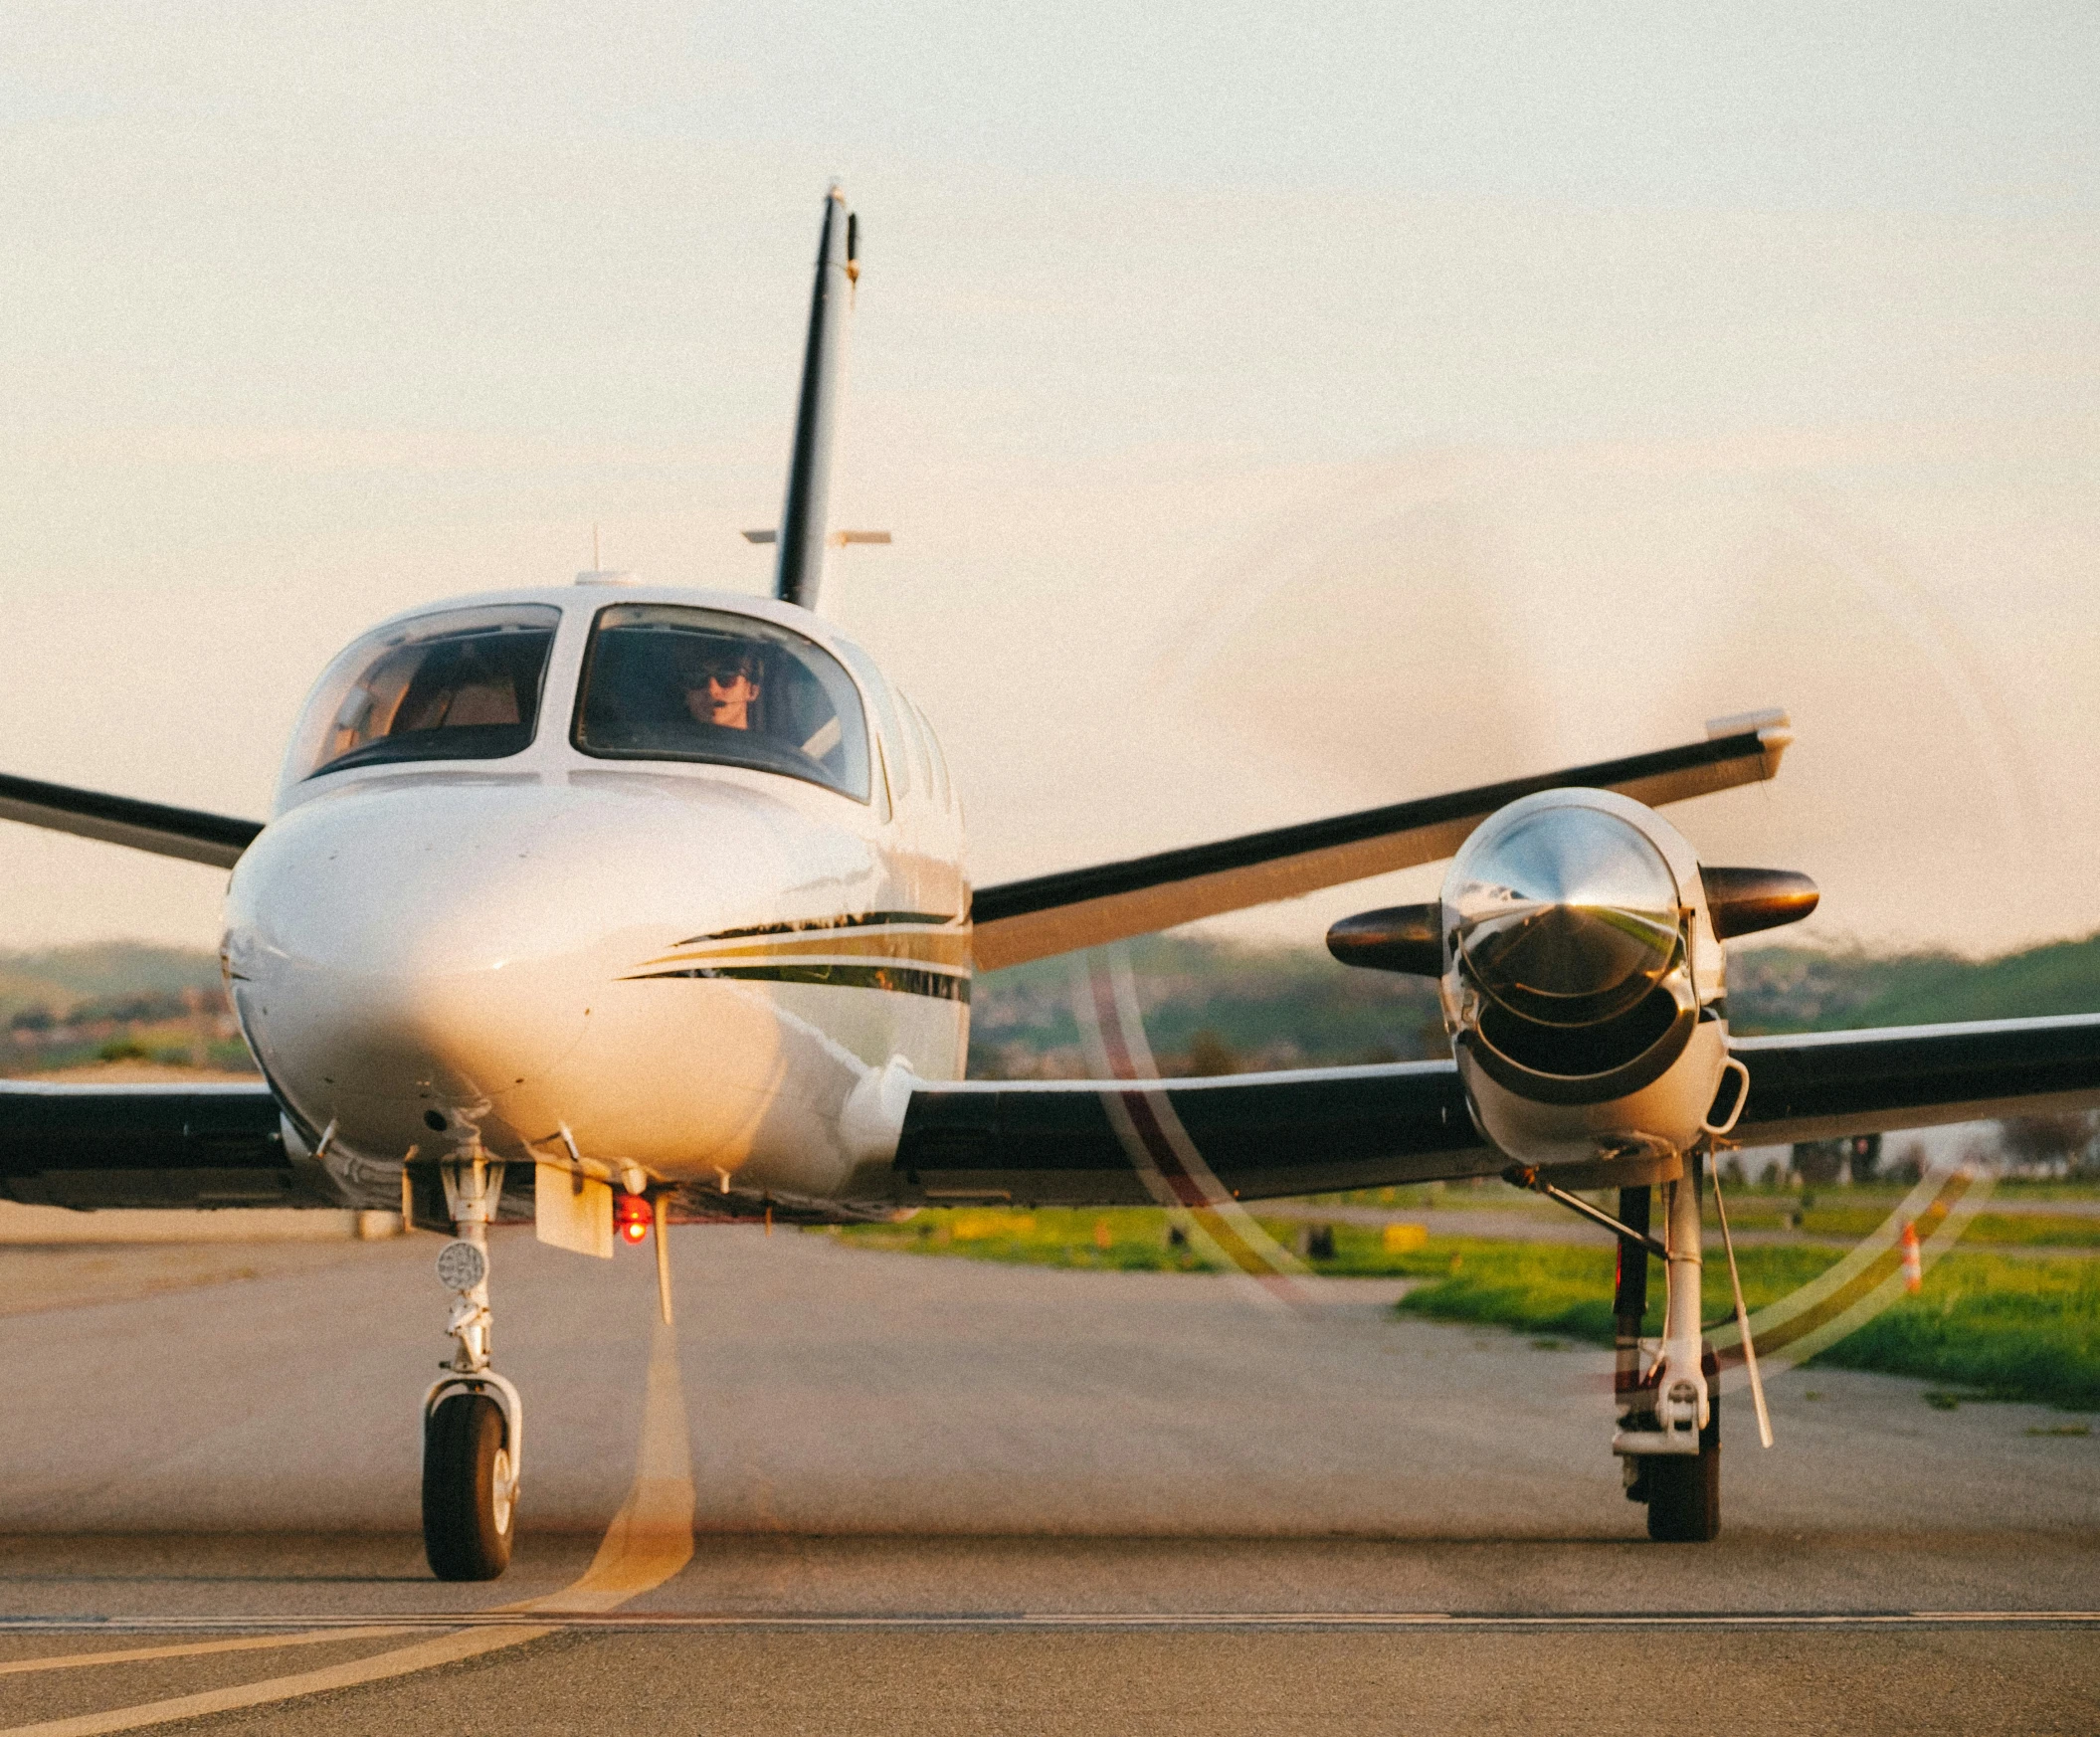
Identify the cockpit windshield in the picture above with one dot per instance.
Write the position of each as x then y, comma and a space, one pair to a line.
462, 684
661, 682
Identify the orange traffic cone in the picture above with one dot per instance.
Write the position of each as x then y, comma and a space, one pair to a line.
1913, 1261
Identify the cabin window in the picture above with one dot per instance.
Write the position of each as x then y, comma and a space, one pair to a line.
461, 684
661, 682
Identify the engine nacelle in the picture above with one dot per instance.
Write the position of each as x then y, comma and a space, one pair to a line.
1578, 952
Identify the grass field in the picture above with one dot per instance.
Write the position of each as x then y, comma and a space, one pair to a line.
1994, 1325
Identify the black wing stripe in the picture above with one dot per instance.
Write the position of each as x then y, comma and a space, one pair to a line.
187, 832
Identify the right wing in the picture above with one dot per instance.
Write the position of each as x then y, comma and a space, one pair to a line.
195, 836
1123, 1142
1819, 1086
1021, 920
1109, 1142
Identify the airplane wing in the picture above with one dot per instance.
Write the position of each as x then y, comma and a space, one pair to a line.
187, 832
1821, 1086
1109, 1142
86, 1146
1021, 920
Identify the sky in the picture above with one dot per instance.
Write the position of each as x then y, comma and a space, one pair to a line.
1277, 411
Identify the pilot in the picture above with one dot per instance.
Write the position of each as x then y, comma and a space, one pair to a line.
723, 687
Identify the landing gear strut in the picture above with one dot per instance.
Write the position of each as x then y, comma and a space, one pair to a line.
1670, 1426
473, 1418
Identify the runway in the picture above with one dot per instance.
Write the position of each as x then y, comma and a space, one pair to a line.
973, 1497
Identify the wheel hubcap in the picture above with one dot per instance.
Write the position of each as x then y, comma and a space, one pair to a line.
505, 1490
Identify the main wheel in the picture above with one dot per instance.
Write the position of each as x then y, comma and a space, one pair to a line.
468, 1490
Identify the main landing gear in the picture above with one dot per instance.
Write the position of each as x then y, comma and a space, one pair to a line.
473, 1419
1669, 1414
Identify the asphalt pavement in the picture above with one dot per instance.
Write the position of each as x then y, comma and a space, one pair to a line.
962, 1497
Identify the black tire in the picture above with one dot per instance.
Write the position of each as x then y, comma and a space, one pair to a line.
468, 1515
1684, 1490
1685, 1496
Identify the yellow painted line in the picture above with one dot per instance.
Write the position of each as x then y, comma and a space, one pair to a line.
648, 1541
447, 1650
650, 1537
191, 1649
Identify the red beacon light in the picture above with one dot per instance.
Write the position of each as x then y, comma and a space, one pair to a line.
632, 1217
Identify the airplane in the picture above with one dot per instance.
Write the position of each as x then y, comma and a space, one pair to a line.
608, 905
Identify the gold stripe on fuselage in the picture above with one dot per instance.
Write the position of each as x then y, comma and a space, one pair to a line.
931, 947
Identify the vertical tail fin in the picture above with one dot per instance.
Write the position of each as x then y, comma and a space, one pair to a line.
803, 538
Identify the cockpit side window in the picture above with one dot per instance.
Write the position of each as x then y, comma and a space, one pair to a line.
462, 684
663, 682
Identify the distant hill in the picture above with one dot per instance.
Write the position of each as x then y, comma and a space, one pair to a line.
1292, 1006
57, 979
1214, 1006
1238, 1007
1795, 989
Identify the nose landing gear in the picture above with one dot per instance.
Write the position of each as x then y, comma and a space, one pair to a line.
473, 1418
1669, 1428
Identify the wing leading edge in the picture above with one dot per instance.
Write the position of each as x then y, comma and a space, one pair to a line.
1069, 1142
1021, 920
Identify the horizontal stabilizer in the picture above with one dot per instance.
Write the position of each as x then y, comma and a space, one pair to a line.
837, 540
186, 833
1021, 920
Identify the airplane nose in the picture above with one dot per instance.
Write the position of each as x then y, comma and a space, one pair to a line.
1568, 917
411, 944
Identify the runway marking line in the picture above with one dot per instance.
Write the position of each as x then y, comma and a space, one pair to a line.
574, 1620
124, 1655
648, 1541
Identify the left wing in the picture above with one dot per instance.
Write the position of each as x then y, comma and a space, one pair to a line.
86, 1146
1111, 1142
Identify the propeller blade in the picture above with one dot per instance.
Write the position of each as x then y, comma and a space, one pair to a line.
1757, 1385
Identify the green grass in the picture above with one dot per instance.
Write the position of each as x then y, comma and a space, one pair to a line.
2022, 1329
2016, 1328
1567, 1289
1136, 1237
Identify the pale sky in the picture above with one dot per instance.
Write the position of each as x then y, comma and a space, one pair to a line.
1277, 411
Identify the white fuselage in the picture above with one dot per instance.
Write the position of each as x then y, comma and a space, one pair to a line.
708, 972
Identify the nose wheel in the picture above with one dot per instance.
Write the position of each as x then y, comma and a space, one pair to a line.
1669, 1433
470, 1487
473, 1418
1684, 1490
